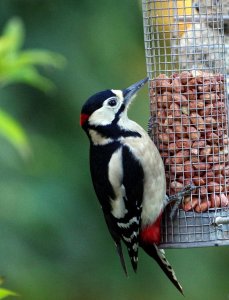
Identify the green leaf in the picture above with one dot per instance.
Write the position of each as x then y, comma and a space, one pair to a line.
28, 75
14, 133
41, 58
5, 293
13, 36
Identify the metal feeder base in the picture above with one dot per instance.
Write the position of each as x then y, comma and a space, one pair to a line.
191, 229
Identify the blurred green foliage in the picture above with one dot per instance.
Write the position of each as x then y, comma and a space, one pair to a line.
54, 242
18, 65
13, 132
4, 293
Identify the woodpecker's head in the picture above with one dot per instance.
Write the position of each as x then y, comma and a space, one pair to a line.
108, 107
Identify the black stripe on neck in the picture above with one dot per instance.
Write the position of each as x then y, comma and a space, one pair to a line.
113, 131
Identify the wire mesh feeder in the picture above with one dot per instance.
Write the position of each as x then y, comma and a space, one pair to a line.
185, 57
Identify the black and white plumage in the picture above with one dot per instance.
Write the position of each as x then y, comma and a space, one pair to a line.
127, 174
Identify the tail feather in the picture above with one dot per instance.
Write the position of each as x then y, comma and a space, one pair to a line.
153, 251
133, 254
120, 253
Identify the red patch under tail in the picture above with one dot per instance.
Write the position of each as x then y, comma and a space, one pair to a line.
152, 233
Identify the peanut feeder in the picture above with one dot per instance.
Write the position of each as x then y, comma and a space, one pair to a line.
185, 57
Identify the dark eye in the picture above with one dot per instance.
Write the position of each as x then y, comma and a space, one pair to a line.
112, 102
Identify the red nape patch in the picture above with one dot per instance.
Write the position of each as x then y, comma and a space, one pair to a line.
83, 118
152, 233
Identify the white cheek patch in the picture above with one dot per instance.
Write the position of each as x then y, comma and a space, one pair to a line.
102, 116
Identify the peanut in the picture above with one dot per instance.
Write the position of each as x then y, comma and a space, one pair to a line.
218, 168
164, 99
204, 87
198, 121
168, 121
203, 206
214, 187
195, 159
210, 121
225, 139
188, 169
225, 171
185, 77
185, 120
207, 110
180, 156
172, 147
177, 169
164, 138
176, 186
174, 110
179, 129
210, 176
180, 99
211, 136
209, 98
219, 178
161, 114
198, 180
202, 166
177, 87
199, 144
197, 104
213, 159
206, 151
162, 83
189, 205
224, 200
203, 192
183, 143
194, 151
215, 201
193, 133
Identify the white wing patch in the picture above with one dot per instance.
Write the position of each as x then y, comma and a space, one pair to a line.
115, 175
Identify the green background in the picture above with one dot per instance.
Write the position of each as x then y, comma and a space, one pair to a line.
53, 241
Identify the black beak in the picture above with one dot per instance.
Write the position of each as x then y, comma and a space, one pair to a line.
132, 90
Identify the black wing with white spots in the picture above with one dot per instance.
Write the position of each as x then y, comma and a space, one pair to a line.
129, 225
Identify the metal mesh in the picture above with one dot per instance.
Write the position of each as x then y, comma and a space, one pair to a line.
185, 57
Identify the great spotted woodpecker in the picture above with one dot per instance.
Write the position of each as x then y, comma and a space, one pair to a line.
128, 175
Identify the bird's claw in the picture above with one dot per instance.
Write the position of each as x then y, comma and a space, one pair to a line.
178, 197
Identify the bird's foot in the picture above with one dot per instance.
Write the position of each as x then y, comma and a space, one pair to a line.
178, 197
